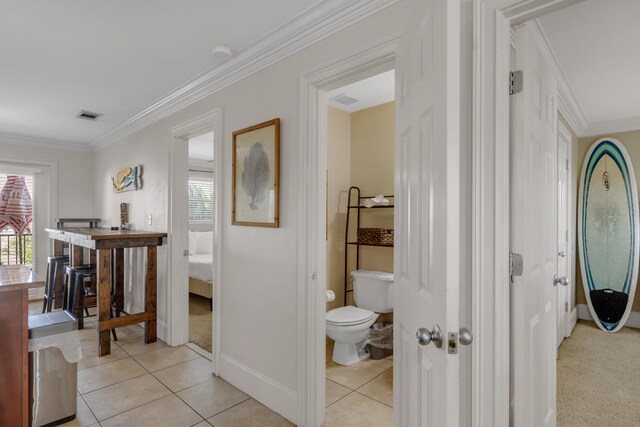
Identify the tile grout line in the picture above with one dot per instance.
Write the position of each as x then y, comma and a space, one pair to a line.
372, 398
119, 360
230, 407
139, 406
350, 392
90, 410
194, 409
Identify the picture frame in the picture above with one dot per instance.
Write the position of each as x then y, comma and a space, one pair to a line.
256, 175
128, 178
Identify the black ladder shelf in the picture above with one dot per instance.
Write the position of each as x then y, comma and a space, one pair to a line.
385, 243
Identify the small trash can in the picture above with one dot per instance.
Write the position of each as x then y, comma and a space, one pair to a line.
54, 352
381, 340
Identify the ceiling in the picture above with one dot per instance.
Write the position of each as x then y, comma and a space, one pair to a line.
114, 57
369, 92
596, 46
201, 147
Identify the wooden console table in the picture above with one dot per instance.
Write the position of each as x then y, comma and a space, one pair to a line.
15, 282
109, 245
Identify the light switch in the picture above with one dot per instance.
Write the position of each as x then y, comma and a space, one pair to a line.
149, 219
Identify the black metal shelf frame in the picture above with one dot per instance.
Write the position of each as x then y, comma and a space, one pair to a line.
358, 207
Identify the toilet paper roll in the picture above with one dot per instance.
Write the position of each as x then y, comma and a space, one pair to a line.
331, 296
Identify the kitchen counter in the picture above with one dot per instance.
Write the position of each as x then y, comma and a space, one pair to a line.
15, 282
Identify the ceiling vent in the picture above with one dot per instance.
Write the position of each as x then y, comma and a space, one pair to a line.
344, 99
88, 115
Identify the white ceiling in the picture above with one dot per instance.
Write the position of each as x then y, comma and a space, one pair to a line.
201, 147
114, 57
369, 92
596, 45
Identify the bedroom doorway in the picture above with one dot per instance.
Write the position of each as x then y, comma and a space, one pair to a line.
200, 216
195, 211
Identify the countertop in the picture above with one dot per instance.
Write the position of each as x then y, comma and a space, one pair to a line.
17, 277
104, 233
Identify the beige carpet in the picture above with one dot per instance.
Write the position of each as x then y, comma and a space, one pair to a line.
200, 322
599, 378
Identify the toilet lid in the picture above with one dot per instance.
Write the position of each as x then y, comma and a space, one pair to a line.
349, 316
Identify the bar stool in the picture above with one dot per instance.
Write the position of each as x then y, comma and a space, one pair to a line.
81, 297
54, 284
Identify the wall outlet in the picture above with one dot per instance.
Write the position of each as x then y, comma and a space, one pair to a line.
149, 219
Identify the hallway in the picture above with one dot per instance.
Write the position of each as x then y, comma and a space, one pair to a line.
599, 377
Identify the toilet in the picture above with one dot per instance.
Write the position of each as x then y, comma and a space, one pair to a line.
349, 326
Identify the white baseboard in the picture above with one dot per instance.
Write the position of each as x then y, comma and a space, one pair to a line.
573, 320
161, 330
277, 397
633, 321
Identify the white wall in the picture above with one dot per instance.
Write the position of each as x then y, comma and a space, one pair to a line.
74, 187
260, 264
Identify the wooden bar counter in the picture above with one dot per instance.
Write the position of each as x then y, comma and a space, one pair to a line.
108, 245
15, 282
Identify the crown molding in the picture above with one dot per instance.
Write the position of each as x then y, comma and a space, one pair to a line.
568, 104
320, 21
613, 126
27, 141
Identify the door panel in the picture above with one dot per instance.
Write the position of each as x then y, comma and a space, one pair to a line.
427, 261
563, 236
534, 232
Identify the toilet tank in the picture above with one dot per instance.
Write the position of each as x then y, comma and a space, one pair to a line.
372, 290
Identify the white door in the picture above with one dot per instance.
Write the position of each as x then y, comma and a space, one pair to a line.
563, 237
534, 236
427, 183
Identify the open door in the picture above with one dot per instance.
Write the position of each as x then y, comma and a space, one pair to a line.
534, 235
563, 238
427, 250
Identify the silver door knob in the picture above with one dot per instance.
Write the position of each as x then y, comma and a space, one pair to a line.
185, 252
425, 336
560, 281
465, 336
562, 254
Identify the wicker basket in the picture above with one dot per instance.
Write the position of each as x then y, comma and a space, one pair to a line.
375, 236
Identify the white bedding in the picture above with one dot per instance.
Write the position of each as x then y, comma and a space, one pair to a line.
201, 267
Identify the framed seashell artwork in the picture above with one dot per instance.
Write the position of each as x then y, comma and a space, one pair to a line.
255, 176
127, 179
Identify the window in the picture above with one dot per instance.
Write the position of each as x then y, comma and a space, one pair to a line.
200, 199
17, 248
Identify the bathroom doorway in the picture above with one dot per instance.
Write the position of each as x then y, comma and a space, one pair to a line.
359, 246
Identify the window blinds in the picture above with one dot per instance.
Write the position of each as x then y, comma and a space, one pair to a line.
200, 199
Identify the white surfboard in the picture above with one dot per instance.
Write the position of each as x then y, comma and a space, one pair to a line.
608, 232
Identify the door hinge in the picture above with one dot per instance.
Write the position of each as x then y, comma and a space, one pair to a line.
515, 82
566, 236
566, 306
515, 264
567, 164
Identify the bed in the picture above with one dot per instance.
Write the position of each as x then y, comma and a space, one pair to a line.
201, 264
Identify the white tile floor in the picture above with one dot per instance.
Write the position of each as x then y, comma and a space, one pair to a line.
359, 395
156, 385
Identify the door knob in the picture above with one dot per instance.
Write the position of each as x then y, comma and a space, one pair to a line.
560, 281
425, 336
465, 336
562, 254
185, 252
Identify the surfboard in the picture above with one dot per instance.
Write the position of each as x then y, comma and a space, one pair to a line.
608, 230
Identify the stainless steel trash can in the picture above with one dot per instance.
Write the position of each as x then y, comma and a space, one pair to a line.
52, 380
